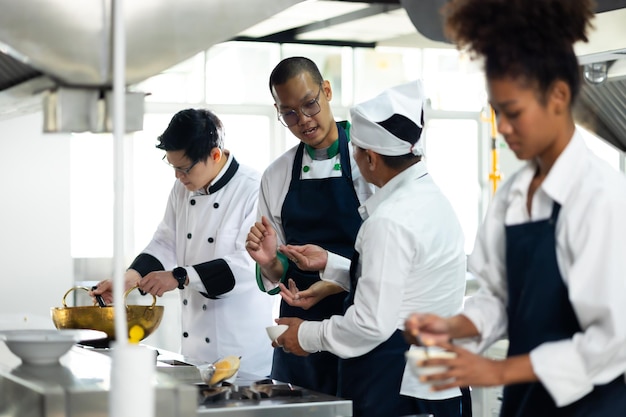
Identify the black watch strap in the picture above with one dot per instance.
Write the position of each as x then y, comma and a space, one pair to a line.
180, 274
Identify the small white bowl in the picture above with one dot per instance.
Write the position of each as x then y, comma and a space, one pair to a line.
42, 346
418, 354
274, 331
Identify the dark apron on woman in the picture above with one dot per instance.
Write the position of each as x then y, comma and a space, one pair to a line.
322, 212
539, 311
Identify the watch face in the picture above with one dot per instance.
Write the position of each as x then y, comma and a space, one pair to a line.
180, 274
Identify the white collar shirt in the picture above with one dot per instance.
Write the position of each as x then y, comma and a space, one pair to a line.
591, 255
411, 259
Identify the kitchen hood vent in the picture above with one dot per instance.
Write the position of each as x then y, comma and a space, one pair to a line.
67, 45
602, 110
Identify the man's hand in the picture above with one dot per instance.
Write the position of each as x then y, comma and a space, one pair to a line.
158, 283
307, 257
261, 243
309, 297
105, 287
289, 339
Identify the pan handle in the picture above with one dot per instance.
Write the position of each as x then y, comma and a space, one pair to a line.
128, 291
73, 289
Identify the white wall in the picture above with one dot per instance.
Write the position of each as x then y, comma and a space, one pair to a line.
34, 217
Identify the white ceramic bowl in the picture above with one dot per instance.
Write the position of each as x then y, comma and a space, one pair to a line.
274, 331
418, 354
44, 346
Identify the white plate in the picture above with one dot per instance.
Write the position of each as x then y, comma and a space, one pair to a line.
45, 346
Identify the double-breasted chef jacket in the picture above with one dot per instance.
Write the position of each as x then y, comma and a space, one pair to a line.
223, 313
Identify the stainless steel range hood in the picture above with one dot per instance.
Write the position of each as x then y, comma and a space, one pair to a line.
62, 49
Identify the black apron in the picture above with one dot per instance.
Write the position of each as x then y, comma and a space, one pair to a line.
322, 212
539, 311
372, 381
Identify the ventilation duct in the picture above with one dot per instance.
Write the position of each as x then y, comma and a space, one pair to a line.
62, 49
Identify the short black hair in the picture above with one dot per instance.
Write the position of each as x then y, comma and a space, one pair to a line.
290, 67
529, 40
196, 131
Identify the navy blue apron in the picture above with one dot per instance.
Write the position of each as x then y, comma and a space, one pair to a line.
373, 380
539, 311
322, 212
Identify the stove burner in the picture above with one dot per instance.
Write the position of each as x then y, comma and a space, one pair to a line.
257, 391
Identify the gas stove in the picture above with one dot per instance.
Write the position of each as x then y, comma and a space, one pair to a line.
246, 395
267, 397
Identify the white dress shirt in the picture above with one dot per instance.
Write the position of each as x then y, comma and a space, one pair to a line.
411, 259
591, 254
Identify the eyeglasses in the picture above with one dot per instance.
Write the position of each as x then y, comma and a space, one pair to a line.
181, 170
309, 109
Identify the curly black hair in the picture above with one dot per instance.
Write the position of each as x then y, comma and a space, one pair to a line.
528, 40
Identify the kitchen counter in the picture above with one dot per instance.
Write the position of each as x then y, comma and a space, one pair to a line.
79, 387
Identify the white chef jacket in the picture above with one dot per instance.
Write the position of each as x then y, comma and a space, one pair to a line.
591, 254
277, 177
412, 259
215, 226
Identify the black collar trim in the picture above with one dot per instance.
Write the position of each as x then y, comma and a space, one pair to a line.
228, 175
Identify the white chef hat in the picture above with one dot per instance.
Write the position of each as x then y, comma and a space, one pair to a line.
390, 123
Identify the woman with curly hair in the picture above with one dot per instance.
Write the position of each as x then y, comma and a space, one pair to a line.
551, 253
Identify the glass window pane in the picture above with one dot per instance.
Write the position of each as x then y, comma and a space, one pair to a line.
453, 81
451, 148
329, 61
238, 72
182, 83
151, 180
91, 195
382, 68
248, 138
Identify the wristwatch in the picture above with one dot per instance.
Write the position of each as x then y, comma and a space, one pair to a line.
180, 274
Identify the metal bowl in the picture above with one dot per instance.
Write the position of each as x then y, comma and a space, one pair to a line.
140, 318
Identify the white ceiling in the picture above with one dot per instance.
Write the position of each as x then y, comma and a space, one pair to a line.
387, 28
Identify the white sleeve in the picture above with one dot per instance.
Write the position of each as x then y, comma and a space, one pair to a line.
373, 317
337, 271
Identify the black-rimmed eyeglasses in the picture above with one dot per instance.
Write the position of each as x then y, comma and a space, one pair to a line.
184, 171
309, 109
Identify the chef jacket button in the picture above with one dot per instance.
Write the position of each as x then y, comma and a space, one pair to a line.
185, 302
211, 240
204, 306
216, 205
188, 235
206, 339
192, 202
306, 168
185, 334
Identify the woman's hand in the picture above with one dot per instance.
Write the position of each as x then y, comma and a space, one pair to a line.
426, 329
469, 369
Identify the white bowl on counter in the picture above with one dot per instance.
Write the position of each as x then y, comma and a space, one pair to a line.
44, 346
